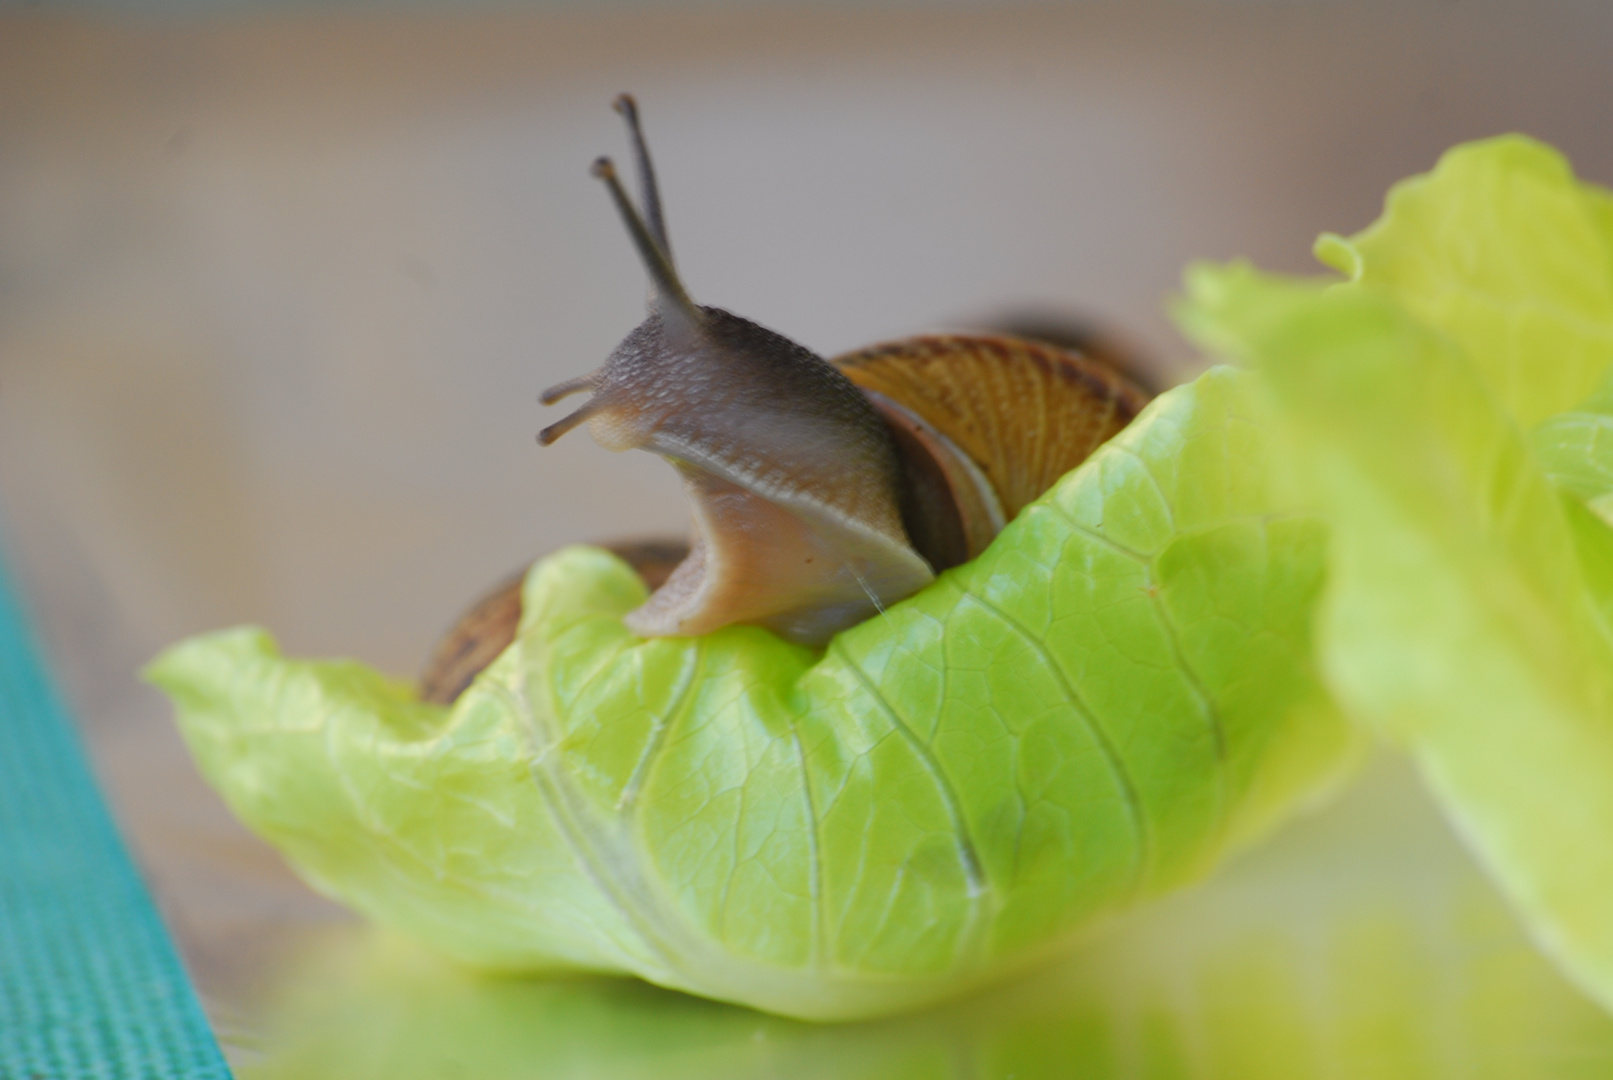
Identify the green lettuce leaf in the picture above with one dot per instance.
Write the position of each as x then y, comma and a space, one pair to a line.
1467, 608
1117, 692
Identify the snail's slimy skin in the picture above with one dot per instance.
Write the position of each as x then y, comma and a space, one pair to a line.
1116, 692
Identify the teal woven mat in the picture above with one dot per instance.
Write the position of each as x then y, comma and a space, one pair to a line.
90, 986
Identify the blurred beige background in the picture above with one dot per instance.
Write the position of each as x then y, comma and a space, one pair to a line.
278, 291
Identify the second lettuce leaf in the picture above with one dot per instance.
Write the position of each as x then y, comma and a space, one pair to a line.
1465, 611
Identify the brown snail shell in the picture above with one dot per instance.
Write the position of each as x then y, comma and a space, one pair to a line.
984, 425
821, 492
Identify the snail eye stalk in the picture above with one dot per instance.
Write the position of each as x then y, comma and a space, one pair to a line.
671, 302
649, 190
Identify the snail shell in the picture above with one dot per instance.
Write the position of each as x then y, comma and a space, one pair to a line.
983, 426
821, 492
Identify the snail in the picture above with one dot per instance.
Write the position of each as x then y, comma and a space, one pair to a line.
822, 491
1089, 676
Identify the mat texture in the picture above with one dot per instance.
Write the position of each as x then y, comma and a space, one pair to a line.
90, 985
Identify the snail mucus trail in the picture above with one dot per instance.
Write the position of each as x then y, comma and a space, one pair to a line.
820, 491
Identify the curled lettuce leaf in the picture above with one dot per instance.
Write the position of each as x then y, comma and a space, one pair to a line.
1437, 409
1118, 691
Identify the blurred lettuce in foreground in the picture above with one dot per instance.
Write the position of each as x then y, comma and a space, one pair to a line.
1360, 943
1121, 689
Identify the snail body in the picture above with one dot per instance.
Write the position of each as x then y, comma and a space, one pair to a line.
980, 425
